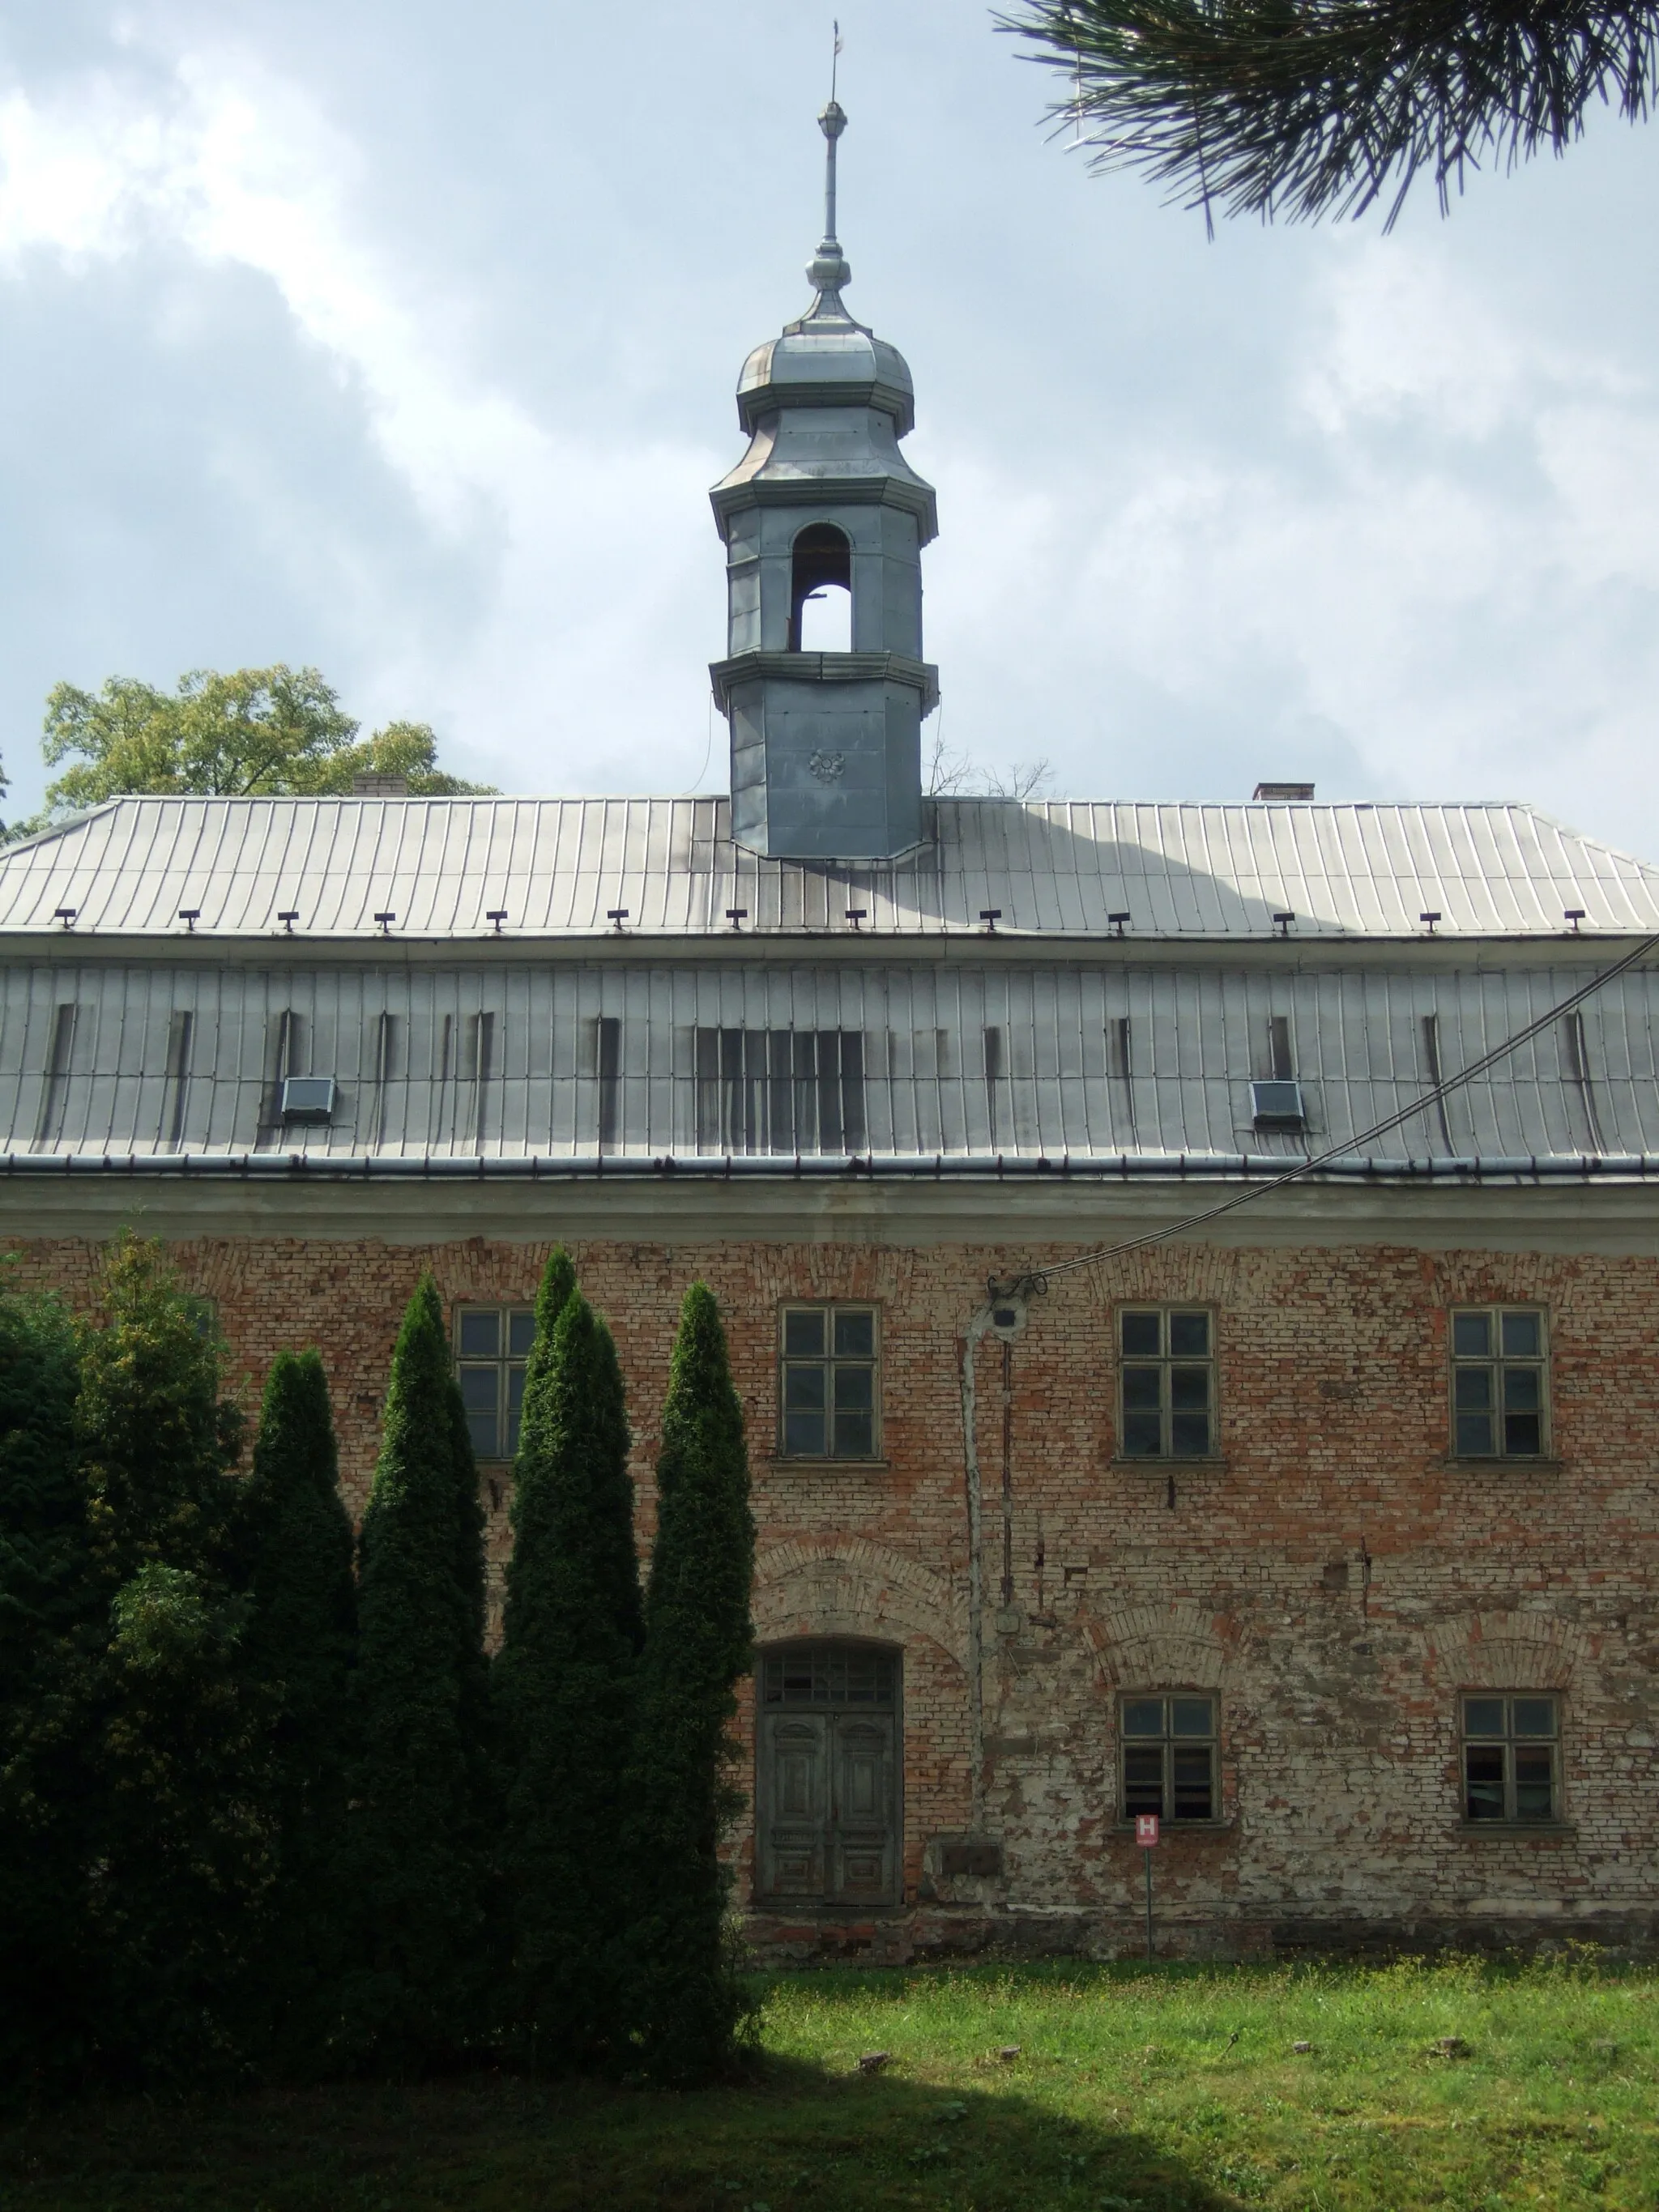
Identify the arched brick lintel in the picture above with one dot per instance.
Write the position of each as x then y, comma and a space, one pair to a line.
843, 1586
1507, 1650
1159, 1646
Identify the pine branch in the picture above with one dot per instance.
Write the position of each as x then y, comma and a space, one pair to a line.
1305, 108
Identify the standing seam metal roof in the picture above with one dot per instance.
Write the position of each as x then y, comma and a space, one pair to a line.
557, 865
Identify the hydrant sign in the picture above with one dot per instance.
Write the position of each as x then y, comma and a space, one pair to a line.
1147, 1830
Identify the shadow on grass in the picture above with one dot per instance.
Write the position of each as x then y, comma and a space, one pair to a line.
795, 2138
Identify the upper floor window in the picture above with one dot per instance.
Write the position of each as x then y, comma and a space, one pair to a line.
1166, 1383
1167, 1747
828, 1355
1510, 1768
1498, 1379
492, 1345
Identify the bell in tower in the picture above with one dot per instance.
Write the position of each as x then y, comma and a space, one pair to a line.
826, 732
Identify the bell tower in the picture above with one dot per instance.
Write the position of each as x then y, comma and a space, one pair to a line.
826, 734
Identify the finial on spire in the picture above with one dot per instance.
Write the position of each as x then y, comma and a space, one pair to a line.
828, 271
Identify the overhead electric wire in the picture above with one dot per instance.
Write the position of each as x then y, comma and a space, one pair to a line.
1039, 1277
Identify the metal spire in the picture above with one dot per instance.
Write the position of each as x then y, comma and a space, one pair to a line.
828, 271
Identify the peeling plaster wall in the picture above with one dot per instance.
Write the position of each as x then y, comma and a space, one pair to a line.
1331, 1575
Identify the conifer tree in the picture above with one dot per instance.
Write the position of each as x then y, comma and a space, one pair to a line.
564, 1681
685, 1998
299, 1647
418, 1825
46, 1609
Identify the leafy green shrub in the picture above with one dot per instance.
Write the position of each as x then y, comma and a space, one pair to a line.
182, 1862
48, 1602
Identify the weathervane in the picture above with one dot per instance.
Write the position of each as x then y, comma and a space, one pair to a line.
828, 270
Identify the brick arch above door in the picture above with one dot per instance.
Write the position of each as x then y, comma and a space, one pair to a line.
855, 1587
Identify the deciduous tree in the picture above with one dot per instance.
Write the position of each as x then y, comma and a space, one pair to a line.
184, 1855
257, 731
47, 1607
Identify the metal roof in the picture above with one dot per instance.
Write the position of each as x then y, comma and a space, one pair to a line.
1063, 867
768, 1057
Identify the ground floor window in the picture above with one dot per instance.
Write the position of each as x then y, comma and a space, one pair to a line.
1510, 1769
1168, 1750
827, 1775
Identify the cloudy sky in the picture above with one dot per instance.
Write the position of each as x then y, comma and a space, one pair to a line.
398, 338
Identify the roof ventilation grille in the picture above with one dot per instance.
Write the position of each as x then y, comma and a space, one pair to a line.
308, 1098
1293, 792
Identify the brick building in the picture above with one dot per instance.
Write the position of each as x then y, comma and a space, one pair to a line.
1322, 1528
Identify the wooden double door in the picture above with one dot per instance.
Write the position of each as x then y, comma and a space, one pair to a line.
827, 1792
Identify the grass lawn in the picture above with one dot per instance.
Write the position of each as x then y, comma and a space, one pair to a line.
1164, 2088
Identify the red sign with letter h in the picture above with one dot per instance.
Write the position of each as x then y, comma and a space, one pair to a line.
1147, 1830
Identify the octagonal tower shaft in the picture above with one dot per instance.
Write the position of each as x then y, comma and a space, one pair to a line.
826, 747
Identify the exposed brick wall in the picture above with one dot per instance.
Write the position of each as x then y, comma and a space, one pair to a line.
1332, 1577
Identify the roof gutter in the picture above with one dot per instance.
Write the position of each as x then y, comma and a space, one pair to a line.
305, 1167
705, 945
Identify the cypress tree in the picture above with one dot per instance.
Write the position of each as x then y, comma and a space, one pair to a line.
418, 1824
684, 1992
47, 1608
563, 1680
472, 1573
301, 1648
184, 1858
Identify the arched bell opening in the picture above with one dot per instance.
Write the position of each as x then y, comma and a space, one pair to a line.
821, 590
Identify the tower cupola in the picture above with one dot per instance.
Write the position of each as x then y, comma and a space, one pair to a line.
824, 510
